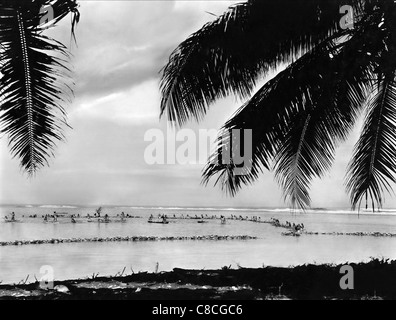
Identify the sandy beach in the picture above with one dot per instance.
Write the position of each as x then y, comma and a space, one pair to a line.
298, 283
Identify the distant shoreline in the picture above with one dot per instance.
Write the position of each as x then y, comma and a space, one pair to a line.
336, 210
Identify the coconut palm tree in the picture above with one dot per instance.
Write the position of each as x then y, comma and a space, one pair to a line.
35, 79
337, 70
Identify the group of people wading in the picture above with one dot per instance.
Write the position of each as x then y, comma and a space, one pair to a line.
288, 225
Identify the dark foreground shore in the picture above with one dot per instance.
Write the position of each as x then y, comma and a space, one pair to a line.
373, 280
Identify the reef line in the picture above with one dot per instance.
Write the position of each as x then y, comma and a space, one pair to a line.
126, 239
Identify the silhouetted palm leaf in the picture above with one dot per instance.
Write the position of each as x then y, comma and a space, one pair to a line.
35, 82
321, 96
299, 117
373, 167
300, 129
228, 55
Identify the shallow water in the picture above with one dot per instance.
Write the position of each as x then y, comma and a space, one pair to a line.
79, 260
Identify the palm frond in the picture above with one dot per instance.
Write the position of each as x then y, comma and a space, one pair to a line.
299, 117
229, 55
35, 83
373, 166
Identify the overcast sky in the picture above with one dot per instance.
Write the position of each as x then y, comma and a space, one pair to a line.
122, 46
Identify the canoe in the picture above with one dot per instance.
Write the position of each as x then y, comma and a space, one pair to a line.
62, 214
159, 222
293, 234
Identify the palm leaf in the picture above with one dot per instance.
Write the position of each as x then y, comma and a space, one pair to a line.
230, 54
299, 117
307, 151
35, 83
373, 166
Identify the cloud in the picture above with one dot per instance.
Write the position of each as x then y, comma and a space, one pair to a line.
128, 106
124, 43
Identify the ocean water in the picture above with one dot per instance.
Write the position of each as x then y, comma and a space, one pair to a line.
80, 260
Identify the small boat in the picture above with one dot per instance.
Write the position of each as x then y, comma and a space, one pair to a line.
202, 221
62, 213
291, 233
12, 221
159, 222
